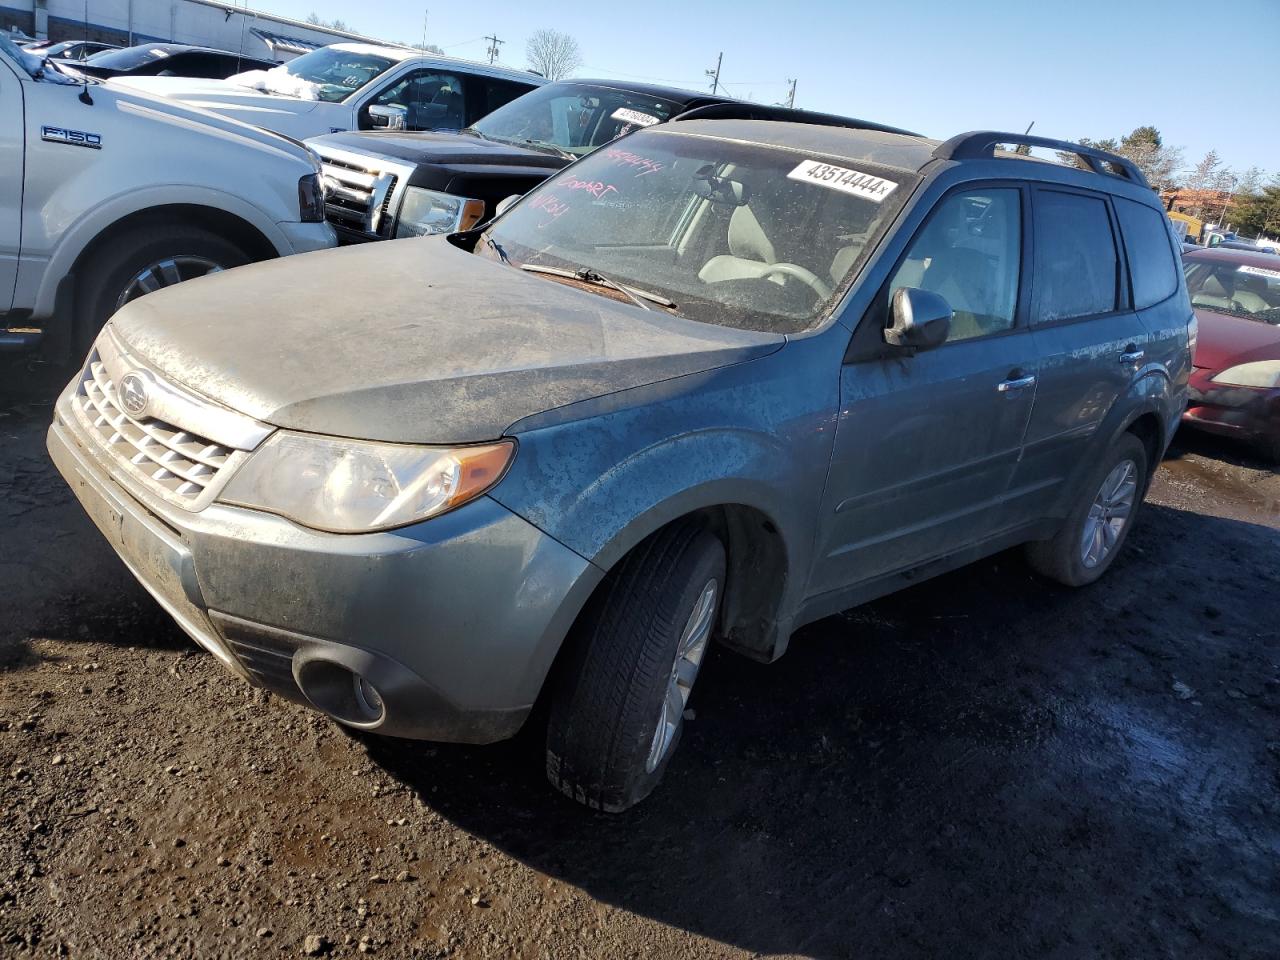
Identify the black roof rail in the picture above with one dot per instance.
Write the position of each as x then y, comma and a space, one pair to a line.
981, 145
736, 110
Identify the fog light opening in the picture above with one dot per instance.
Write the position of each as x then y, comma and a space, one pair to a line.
368, 700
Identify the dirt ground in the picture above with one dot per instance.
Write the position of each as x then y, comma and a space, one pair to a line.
986, 765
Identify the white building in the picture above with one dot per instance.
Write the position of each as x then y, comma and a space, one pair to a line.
208, 23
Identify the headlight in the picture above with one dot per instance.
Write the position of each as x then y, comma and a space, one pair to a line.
425, 212
311, 199
1261, 373
354, 486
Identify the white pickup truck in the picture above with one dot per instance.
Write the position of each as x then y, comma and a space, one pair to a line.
352, 86
107, 194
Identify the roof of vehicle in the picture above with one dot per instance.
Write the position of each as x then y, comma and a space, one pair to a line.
900, 151
653, 90
412, 53
851, 139
171, 48
1246, 258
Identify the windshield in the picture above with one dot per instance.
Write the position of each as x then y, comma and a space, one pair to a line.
329, 74
1240, 290
741, 235
573, 117
130, 58
27, 61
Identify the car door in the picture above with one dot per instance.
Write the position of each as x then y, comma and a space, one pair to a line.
430, 98
12, 163
926, 445
1091, 342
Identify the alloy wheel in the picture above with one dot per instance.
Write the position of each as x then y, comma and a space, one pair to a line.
689, 654
166, 273
1109, 513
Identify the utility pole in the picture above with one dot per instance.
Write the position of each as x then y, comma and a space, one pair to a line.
715, 74
791, 98
493, 47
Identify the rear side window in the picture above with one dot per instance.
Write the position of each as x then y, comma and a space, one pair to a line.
498, 93
1151, 265
1077, 268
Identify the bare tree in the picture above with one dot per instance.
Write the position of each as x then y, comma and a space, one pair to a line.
553, 54
317, 21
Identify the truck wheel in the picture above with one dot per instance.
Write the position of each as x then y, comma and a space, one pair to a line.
1090, 538
142, 261
619, 709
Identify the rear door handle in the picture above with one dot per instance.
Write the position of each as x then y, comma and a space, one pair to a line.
1132, 355
1016, 383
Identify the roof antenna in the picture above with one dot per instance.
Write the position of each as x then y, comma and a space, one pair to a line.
84, 85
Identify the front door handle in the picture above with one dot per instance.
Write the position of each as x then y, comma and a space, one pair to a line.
1132, 355
1016, 383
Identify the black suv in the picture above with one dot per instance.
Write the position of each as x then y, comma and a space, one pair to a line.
388, 184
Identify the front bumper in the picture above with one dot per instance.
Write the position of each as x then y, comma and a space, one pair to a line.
1251, 413
455, 621
305, 237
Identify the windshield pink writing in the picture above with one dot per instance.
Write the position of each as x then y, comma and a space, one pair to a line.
596, 188
549, 203
645, 165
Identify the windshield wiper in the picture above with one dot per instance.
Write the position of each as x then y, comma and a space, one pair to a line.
555, 148
472, 132
497, 248
587, 275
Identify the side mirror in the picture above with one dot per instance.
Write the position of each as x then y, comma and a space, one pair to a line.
505, 204
388, 118
918, 320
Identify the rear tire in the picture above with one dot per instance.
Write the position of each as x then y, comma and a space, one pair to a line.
1094, 532
618, 711
111, 274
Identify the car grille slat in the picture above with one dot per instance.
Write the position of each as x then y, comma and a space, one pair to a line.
177, 463
357, 199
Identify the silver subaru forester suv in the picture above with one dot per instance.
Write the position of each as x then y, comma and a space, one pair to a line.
718, 379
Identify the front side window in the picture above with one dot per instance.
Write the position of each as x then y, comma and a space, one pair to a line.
430, 100
969, 252
742, 235
1239, 289
573, 118
1077, 267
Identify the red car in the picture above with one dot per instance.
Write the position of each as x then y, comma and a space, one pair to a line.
1235, 386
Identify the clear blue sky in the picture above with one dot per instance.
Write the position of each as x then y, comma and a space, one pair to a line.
1078, 68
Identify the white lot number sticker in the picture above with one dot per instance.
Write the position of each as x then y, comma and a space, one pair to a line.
634, 116
852, 182
1259, 271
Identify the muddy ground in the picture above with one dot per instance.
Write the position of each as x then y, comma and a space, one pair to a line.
986, 765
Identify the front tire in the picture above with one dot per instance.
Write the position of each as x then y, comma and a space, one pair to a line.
1094, 531
619, 709
140, 261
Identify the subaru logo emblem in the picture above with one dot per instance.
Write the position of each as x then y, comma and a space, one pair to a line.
133, 394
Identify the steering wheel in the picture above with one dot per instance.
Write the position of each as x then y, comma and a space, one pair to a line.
806, 277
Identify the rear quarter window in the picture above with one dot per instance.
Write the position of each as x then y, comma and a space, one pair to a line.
1152, 267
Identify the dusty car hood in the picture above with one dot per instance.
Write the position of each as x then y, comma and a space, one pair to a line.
445, 148
411, 341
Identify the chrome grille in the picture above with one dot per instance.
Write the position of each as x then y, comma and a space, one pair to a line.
356, 198
176, 463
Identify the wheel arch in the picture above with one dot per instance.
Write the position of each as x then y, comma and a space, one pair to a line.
201, 206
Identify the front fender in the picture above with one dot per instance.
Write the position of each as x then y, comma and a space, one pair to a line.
75, 237
755, 435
